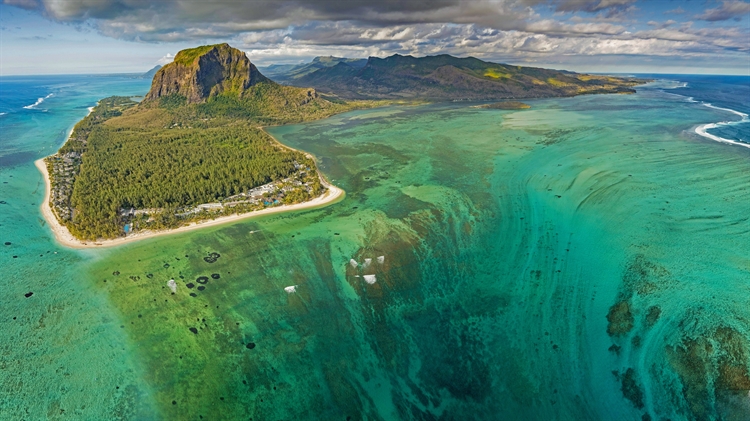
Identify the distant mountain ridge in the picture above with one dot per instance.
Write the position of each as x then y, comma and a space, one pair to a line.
444, 77
150, 74
286, 73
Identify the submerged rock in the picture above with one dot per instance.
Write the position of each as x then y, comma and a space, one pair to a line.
652, 315
620, 319
630, 388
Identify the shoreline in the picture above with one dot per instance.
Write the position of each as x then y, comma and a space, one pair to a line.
65, 238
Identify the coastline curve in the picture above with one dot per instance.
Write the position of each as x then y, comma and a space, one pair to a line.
65, 238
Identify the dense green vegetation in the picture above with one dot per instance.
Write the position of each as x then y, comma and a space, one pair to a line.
105, 109
169, 168
168, 157
187, 56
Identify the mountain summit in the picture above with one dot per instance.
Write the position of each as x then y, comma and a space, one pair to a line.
204, 72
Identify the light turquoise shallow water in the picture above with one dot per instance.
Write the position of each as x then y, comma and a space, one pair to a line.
508, 238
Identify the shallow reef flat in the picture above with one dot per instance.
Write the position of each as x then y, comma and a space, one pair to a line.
582, 259
537, 264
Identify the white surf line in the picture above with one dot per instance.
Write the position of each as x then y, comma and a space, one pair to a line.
702, 130
38, 101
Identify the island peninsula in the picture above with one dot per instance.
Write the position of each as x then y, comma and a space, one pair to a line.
193, 153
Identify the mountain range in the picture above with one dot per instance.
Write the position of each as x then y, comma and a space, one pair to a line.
287, 73
444, 77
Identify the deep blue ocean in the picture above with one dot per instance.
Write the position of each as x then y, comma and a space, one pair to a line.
37, 112
728, 92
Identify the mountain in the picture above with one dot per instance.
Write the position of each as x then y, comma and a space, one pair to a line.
287, 73
220, 81
150, 74
203, 72
445, 77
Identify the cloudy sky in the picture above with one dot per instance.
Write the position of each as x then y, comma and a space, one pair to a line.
106, 36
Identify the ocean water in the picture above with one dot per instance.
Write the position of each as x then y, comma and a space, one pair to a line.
585, 259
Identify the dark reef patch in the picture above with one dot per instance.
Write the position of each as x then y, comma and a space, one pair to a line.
194, 330
620, 319
190, 285
250, 345
713, 369
28, 294
212, 257
645, 277
652, 315
215, 276
630, 388
202, 280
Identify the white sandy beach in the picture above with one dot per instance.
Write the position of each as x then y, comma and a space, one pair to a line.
64, 237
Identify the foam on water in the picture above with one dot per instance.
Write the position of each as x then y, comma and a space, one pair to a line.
703, 129
37, 103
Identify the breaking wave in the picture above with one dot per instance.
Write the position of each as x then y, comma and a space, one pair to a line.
37, 103
702, 130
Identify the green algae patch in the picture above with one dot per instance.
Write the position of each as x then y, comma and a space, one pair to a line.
506, 105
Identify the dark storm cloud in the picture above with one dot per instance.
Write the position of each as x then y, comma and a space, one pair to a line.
165, 20
591, 5
727, 10
490, 29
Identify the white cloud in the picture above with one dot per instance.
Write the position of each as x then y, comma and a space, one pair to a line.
168, 58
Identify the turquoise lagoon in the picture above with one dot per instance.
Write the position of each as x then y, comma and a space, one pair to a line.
585, 259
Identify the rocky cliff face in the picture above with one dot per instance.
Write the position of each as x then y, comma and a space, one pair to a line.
204, 72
